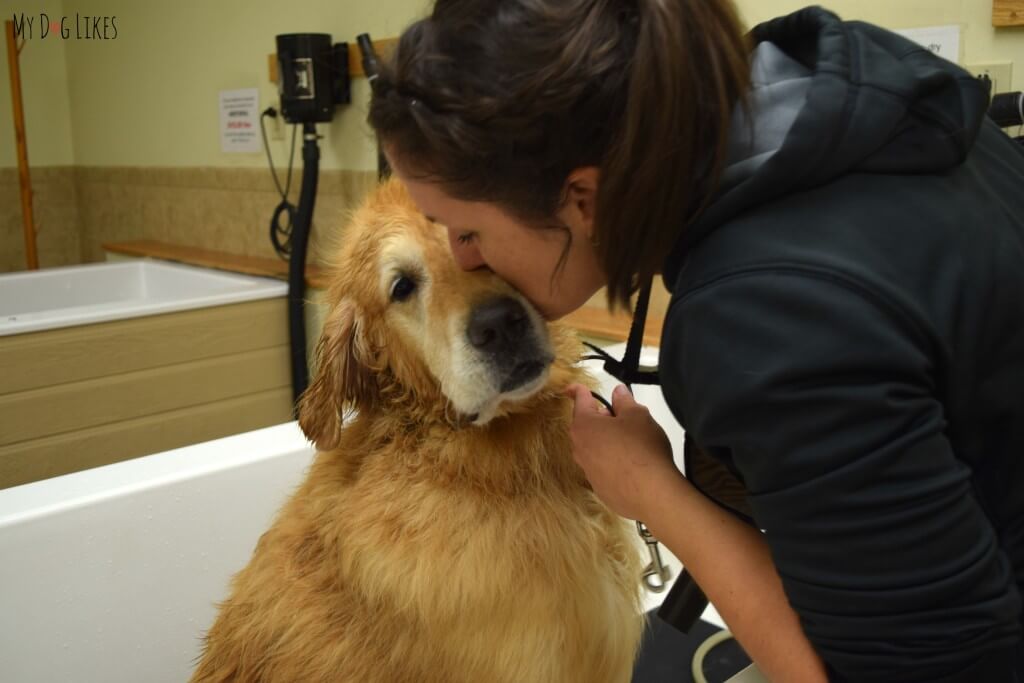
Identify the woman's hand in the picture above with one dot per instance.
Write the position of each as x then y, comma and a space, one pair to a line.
628, 460
624, 456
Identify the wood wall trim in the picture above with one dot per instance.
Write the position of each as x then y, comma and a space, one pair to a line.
1007, 13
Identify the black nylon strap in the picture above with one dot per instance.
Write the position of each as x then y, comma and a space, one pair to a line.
685, 601
628, 369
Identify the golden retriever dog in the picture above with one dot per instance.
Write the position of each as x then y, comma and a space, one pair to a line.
444, 532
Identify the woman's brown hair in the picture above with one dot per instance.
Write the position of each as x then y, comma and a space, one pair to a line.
499, 101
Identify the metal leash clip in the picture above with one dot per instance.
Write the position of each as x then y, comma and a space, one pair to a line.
656, 573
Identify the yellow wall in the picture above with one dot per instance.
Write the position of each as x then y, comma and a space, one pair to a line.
149, 98
45, 92
979, 41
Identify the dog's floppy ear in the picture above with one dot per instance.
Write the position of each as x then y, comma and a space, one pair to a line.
342, 382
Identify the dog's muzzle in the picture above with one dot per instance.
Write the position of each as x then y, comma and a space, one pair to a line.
502, 332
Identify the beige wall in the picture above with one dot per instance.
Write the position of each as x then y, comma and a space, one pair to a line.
149, 98
47, 103
148, 101
145, 107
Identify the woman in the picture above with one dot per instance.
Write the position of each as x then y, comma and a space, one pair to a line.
842, 232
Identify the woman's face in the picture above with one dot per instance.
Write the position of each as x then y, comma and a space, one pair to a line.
482, 235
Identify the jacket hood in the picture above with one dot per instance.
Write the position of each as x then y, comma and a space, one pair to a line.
875, 102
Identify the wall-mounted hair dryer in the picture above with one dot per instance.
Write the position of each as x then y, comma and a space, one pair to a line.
312, 76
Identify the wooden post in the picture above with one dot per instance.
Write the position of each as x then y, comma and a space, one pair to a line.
31, 255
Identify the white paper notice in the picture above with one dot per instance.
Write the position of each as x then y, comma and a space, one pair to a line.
942, 40
239, 120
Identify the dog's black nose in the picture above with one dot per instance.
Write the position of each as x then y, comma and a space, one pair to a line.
498, 325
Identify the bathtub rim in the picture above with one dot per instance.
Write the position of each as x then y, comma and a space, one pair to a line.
252, 288
19, 504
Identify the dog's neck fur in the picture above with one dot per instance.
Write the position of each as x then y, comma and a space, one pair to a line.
527, 445
514, 452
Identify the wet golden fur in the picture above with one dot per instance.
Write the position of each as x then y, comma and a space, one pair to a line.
420, 548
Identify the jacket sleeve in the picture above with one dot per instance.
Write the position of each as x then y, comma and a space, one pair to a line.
823, 397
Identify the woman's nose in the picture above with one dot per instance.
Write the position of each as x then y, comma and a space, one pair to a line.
467, 255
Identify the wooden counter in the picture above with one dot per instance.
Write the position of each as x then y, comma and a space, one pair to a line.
589, 320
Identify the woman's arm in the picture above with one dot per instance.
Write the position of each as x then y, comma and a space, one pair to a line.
728, 558
731, 563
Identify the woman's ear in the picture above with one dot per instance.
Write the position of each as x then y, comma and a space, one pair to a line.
343, 381
580, 204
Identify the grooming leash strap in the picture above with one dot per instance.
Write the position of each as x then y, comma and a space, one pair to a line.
656, 574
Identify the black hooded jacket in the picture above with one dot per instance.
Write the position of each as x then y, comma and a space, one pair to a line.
846, 334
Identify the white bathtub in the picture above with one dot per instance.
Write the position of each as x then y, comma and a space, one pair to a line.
108, 361
111, 574
76, 295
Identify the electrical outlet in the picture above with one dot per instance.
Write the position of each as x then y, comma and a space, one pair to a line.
276, 124
1000, 73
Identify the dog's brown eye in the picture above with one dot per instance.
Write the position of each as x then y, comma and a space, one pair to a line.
403, 288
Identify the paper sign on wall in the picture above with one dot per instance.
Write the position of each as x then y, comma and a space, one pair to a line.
942, 40
239, 120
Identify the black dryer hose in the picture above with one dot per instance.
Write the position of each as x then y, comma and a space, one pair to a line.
297, 262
